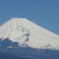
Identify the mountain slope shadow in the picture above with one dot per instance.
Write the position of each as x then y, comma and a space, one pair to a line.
9, 56
27, 52
8, 43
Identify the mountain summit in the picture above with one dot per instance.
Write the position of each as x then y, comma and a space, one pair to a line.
29, 34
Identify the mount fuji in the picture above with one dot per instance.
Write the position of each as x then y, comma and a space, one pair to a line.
26, 33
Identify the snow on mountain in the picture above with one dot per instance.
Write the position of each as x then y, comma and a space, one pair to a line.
27, 33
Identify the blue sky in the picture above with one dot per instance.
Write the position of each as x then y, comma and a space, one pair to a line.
43, 12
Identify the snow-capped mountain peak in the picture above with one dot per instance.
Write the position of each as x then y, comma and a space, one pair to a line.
25, 32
